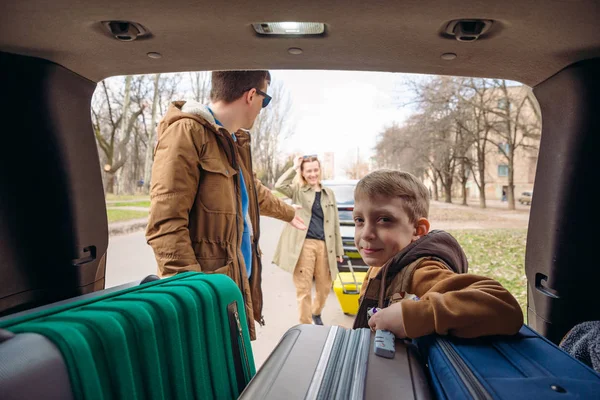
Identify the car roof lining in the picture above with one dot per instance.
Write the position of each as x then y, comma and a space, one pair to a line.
530, 42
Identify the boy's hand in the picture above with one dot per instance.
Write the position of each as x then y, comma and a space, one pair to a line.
390, 319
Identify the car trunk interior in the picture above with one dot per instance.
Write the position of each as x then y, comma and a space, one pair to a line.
51, 58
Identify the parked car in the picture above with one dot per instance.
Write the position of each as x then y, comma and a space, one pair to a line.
526, 198
344, 195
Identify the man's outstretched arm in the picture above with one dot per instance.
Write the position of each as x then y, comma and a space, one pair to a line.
272, 206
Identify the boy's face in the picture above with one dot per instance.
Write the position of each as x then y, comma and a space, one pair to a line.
383, 228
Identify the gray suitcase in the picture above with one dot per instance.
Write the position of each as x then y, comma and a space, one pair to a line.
319, 362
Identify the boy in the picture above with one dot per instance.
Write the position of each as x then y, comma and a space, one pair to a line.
418, 275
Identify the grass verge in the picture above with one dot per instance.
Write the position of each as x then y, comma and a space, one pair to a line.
113, 197
124, 215
132, 204
498, 254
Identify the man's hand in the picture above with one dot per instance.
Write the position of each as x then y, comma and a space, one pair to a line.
298, 223
390, 319
340, 259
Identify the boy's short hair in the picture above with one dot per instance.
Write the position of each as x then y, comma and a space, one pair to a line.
391, 183
228, 86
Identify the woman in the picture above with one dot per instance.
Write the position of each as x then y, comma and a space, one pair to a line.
312, 253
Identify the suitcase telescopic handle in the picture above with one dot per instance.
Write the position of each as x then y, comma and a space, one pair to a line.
355, 291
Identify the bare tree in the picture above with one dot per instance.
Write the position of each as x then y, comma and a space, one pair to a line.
398, 148
475, 98
169, 91
356, 167
133, 170
419, 148
162, 89
440, 139
434, 178
465, 162
287, 164
200, 84
125, 112
272, 125
113, 128
516, 124
456, 122
387, 152
151, 134
124, 134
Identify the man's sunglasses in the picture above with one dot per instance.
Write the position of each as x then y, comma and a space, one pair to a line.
266, 99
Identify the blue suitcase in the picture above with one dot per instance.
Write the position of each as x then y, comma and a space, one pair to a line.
524, 366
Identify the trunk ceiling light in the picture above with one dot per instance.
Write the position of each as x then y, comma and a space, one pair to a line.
290, 28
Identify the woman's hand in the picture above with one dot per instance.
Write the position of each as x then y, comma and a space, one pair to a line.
340, 259
298, 162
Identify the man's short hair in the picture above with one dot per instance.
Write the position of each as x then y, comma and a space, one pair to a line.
228, 86
391, 183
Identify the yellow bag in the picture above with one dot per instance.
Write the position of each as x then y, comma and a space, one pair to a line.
347, 289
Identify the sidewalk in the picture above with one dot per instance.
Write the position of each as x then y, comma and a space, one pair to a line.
491, 204
133, 225
125, 227
456, 216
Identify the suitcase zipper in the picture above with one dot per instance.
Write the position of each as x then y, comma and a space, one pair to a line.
243, 345
474, 387
240, 355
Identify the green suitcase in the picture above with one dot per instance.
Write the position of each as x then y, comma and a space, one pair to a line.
178, 338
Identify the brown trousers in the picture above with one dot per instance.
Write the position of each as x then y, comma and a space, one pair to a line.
312, 263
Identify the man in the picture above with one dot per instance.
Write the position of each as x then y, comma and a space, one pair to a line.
204, 213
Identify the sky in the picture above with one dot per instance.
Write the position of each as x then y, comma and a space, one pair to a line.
342, 111
334, 111
338, 111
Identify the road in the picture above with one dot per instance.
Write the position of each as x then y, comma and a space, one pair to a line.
130, 259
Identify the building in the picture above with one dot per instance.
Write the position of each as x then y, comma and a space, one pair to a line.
525, 163
523, 106
525, 155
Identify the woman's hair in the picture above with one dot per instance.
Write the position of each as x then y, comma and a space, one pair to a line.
307, 160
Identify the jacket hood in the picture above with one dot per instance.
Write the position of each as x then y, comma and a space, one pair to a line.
198, 109
187, 109
438, 244
200, 113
